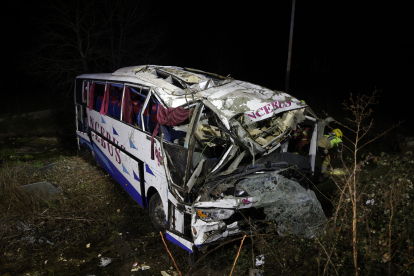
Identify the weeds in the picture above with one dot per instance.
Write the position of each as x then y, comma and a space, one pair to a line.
370, 231
93, 210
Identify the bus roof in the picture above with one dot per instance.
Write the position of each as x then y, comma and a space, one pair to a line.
178, 86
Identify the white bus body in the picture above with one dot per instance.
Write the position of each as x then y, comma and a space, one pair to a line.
224, 136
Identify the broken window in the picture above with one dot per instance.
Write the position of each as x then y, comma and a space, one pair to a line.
212, 143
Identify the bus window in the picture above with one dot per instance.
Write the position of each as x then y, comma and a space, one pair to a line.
150, 115
98, 95
81, 91
133, 105
85, 91
115, 100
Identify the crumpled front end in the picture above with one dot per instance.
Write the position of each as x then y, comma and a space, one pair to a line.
249, 203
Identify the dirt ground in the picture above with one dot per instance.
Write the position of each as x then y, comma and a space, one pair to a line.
93, 221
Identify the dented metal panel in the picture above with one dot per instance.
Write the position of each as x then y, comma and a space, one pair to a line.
242, 137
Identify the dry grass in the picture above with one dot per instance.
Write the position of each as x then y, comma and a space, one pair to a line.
92, 209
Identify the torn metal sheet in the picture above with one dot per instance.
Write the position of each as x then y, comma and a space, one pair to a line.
296, 210
235, 164
194, 176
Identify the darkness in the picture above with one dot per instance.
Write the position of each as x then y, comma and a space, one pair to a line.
338, 48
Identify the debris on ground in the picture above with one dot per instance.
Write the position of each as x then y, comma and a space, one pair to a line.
259, 260
105, 261
137, 267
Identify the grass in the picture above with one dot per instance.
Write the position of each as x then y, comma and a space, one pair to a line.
93, 210
96, 217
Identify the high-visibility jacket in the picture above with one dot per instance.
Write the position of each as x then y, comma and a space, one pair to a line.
331, 141
302, 132
297, 132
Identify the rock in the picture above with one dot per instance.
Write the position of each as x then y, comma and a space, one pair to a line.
45, 190
410, 144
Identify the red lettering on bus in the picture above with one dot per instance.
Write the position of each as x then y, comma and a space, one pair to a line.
267, 108
117, 157
251, 115
257, 112
110, 147
115, 141
103, 143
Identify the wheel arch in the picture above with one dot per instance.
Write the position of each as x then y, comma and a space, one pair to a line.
150, 192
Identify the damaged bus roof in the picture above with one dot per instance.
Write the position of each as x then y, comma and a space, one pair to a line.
179, 86
240, 105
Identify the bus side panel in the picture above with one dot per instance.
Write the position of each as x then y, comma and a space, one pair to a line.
138, 144
119, 166
154, 172
84, 139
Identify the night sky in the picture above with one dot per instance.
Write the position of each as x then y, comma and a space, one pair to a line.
338, 47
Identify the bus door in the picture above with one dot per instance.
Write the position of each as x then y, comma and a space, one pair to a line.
178, 163
82, 100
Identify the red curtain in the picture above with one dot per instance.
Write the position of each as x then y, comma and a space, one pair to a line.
170, 117
91, 95
127, 106
105, 102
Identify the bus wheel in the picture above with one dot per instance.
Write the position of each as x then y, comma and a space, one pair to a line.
157, 214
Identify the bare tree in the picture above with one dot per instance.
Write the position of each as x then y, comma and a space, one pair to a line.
87, 36
133, 37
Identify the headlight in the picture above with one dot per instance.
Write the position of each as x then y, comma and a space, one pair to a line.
214, 214
241, 193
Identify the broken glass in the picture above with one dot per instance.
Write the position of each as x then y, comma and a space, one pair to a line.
296, 210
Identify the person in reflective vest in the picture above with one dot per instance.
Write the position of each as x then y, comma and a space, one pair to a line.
327, 142
302, 136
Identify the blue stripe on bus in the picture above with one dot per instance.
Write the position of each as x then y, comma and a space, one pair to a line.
118, 175
174, 241
84, 141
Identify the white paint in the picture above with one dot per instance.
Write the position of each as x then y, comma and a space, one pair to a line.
226, 101
183, 241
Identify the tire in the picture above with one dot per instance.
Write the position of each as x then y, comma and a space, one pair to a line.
157, 214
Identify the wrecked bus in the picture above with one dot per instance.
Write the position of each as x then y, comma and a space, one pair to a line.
208, 156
